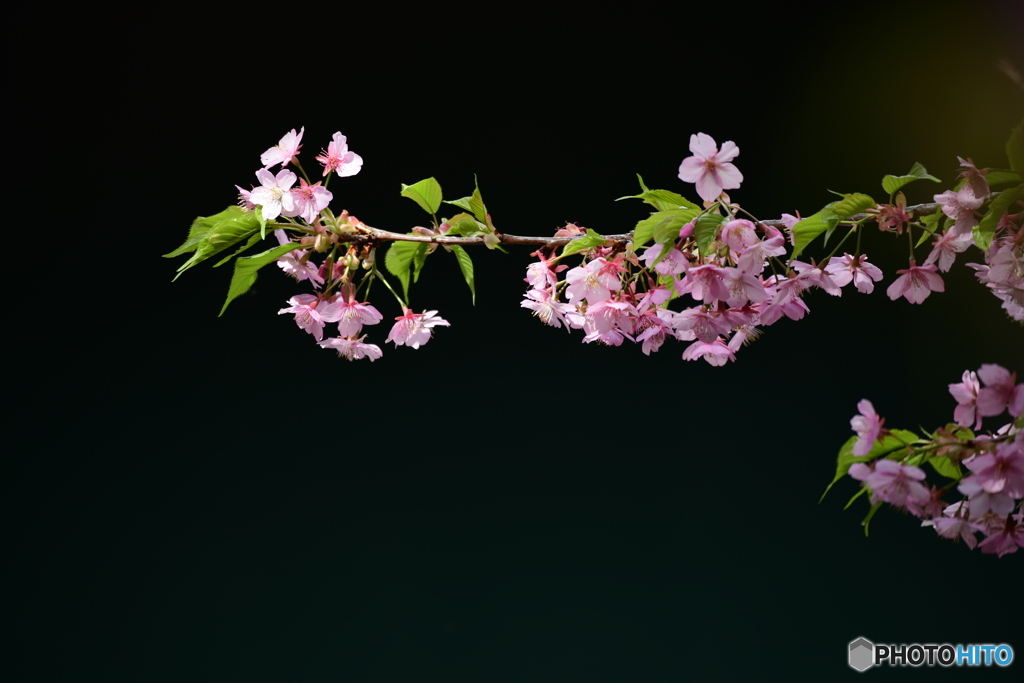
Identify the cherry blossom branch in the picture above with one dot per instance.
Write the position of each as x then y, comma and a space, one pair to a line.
368, 234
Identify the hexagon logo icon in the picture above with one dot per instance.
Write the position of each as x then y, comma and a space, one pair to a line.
862, 653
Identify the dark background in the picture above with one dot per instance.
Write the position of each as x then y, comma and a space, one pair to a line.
200, 498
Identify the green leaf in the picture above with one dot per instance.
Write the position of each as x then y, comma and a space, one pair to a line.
888, 445
892, 183
213, 234
398, 259
245, 247
201, 227
986, 228
852, 204
705, 230
418, 259
662, 200
246, 268
1015, 148
473, 203
998, 177
946, 467
807, 229
663, 226
588, 241
466, 265
426, 193
465, 225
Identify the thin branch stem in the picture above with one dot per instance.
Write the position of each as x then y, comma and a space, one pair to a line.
367, 234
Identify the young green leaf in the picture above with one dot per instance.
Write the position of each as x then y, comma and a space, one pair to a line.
662, 200
466, 265
946, 467
398, 259
852, 204
203, 225
591, 239
473, 203
246, 268
892, 183
705, 230
418, 259
426, 193
999, 176
211, 235
245, 247
663, 226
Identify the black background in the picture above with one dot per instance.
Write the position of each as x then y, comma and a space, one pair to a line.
201, 498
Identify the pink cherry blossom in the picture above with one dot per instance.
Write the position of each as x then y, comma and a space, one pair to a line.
1005, 541
339, 159
594, 282
283, 151
894, 483
966, 395
716, 353
353, 349
351, 317
856, 269
960, 207
916, 283
672, 264
414, 329
274, 196
311, 313
739, 235
953, 525
709, 168
892, 217
868, 427
946, 248
293, 263
310, 200
547, 308
1001, 391
1001, 471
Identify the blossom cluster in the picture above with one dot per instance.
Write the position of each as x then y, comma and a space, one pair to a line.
737, 280
617, 294
334, 281
993, 492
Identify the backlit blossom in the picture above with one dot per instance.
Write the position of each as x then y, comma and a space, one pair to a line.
283, 151
1001, 391
310, 200
716, 353
709, 167
353, 349
547, 308
868, 427
916, 283
966, 395
893, 483
414, 329
274, 196
339, 159
845, 269
311, 313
